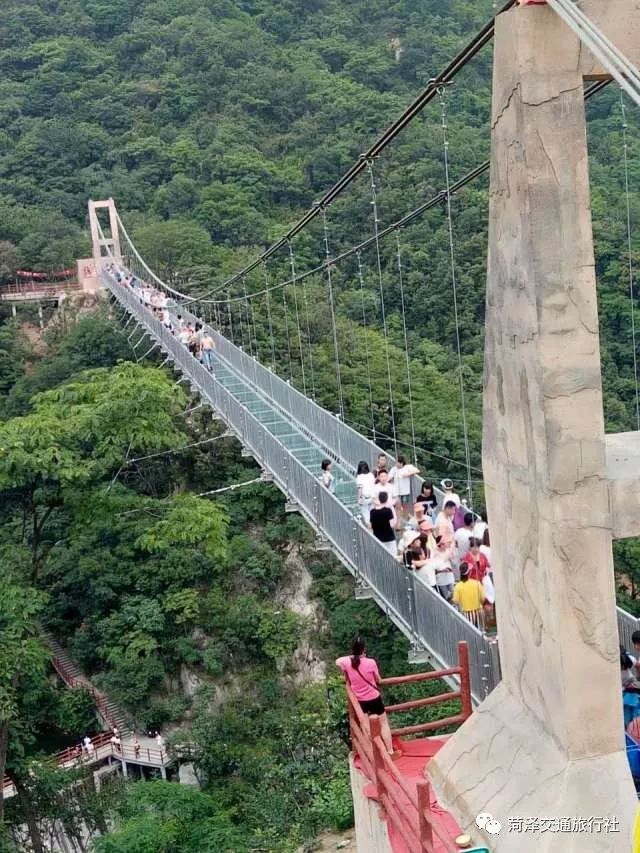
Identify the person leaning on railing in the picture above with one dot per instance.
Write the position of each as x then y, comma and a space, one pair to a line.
362, 675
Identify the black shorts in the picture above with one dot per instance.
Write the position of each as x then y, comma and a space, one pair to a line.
372, 706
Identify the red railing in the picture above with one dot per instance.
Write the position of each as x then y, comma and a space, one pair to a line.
48, 288
79, 754
409, 808
72, 680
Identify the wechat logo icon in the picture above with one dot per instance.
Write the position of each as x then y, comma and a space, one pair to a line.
487, 822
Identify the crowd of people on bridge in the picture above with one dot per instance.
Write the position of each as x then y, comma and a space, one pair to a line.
193, 335
441, 540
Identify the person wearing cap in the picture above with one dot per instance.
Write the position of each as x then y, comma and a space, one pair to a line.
427, 573
469, 597
413, 555
449, 494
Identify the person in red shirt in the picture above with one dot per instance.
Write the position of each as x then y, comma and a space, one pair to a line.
362, 675
476, 560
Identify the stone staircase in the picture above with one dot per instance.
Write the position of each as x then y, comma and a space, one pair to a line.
72, 675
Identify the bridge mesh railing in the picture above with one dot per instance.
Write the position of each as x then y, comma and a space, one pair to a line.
425, 617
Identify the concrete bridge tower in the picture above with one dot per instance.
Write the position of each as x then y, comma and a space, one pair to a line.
547, 744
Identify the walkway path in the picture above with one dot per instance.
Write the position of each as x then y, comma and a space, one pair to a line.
289, 435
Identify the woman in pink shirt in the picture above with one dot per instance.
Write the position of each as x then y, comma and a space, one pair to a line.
362, 676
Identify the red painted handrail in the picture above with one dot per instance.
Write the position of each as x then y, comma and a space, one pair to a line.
407, 808
78, 754
76, 681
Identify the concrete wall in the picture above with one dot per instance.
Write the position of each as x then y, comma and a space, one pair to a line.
371, 829
89, 275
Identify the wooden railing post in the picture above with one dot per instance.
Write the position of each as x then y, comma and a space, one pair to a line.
375, 731
465, 679
352, 723
425, 827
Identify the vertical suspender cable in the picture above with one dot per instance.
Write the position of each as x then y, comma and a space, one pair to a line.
297, 313
286, 327
465, 431
625, 148
252, 319
305, 303
366, 344
333, 313
406, 348
243, 324
376, 222
269, 319
233, 340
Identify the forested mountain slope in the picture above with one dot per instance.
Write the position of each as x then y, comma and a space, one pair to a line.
214, 125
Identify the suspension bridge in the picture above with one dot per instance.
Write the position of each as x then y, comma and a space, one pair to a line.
558, 490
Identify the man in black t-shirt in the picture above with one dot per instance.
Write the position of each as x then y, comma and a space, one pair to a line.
382, 521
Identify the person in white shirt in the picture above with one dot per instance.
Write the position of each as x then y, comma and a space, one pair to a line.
480, 527
400, 475
441, 563
449, 494
384, 485
485, 548
365, 481
326, 477
463, 535
444, 522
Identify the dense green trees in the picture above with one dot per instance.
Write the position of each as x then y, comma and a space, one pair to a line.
214, 125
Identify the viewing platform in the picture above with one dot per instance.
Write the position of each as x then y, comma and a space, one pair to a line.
395, 808
102, 754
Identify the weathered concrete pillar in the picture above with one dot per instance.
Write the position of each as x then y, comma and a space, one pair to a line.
111, 242
548, 743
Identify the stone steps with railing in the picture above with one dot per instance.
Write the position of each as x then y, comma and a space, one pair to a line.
73, 677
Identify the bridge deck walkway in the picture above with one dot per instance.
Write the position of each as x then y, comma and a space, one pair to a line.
289, 435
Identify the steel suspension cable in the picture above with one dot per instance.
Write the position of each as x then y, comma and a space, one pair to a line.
406, 345
286, 327
297, 316
376, 221
436, 200
334, 329
366, 344
251, 320
233, 340
269, 318
616, 63
462, 58
292, 264
465, 430
625, 149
